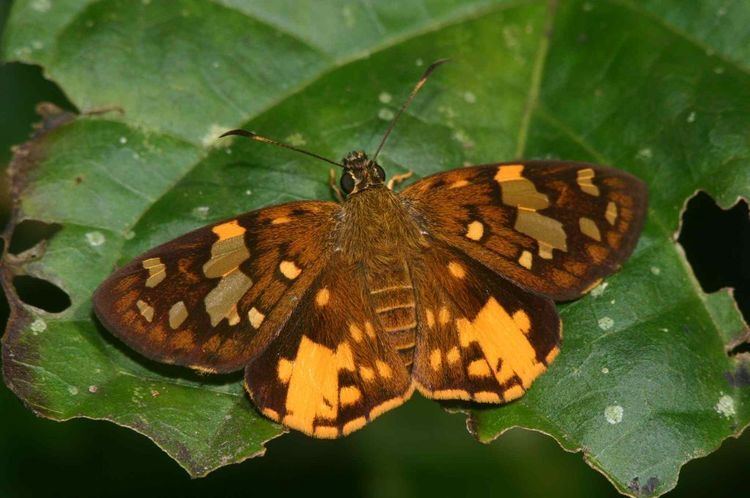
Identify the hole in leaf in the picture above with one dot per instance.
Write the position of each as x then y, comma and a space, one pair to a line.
41, 294
717, 246
29, 233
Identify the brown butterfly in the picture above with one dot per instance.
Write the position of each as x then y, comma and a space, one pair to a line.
337, 311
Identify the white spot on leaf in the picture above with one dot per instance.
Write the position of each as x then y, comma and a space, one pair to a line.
385, 97
645, 154
123, 140
605, 370
470, 97
606, 323
93, 389
296, 139
201, 212
725, 406
613, 414
691, 117
95, 239
385, 114
41, 5
599, 289
38, 325
655, 270
212, 135
73, 390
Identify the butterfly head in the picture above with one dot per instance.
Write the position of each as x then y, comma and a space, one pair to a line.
360, 173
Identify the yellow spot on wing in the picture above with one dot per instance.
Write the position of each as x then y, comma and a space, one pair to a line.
551, 355
448, 394
458, 184
355, 332
585, 177
344, 357
513, 392
353, 425
390, 404
281, 220
284, 370
519, 191
522, 320
486, 397
226, 255
322, 297
349, 395
367, 373
475, 230
456, 269
156, 271
525, 260
256, 317
436, 359
453, 355
326, 432
479, 368
588, 227
221, 302
444, 315
384, 369
146, 310
611, 213
370, 330
228, 230
177, 314
289, 269
509, 173
430, 316
546, 231
271, 413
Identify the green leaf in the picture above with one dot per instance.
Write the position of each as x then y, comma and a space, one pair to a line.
661, 89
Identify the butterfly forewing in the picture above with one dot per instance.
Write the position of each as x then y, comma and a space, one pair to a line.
329, 371
212, 298
555, 228
481, 337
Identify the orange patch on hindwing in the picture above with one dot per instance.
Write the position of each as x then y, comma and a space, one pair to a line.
502, 339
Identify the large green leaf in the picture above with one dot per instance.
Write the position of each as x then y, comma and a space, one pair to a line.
661, 89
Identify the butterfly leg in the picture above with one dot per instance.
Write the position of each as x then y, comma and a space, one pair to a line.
334, 188
398, 179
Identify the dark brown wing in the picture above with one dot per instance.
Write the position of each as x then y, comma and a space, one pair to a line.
329, 371
555, 228
211, 298
480, 337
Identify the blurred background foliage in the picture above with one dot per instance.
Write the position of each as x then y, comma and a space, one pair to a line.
428, 452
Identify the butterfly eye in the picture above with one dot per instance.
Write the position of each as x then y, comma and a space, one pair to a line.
381, 172
347, 183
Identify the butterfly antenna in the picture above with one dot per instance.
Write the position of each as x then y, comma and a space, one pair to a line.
413, 94
265, 140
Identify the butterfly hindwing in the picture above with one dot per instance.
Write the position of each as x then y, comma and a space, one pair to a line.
211, 298
329, 371
552, 227
480, 337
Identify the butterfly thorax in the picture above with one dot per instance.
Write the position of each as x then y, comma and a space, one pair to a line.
374, 225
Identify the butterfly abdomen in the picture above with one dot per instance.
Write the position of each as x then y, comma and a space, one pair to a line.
392, 297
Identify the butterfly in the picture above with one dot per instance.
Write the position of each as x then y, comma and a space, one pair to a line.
337, 312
